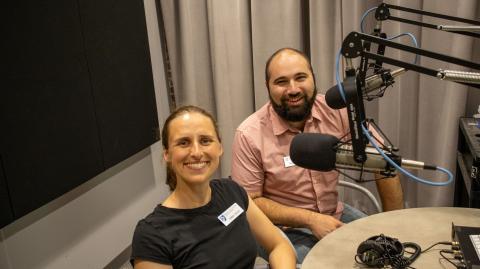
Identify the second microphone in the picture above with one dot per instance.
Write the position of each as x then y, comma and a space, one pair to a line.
323, 152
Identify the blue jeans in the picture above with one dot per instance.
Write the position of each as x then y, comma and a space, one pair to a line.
350, 214
303, 240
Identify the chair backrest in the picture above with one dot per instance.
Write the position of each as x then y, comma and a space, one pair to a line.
363, 190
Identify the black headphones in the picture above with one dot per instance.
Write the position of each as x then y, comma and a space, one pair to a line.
381, 250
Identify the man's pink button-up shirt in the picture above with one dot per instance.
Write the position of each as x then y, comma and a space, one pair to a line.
260, 161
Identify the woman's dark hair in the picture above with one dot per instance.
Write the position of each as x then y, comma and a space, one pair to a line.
171, 177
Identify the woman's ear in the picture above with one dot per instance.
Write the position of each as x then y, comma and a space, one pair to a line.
166, 157
221, 149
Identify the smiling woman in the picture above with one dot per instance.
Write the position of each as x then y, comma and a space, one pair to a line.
188, 128
203, 223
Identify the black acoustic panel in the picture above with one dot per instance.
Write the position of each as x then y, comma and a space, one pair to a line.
118, 54
49, 139
6, 213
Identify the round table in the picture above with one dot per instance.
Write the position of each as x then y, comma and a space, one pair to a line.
424, 226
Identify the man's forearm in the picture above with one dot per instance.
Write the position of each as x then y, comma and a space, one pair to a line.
318, 223
391, 193
284, 215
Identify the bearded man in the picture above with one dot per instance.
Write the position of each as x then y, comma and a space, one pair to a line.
303, 202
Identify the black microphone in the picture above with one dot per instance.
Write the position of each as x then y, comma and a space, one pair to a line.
373, 82
323, 152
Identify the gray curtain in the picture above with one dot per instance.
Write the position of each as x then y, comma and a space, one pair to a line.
217, 51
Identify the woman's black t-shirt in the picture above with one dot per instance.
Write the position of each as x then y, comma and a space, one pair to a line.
196, 238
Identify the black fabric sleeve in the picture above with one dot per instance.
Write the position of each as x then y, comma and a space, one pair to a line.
149, 244
238, 191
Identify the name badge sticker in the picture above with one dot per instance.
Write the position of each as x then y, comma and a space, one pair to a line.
287, 162
230, 214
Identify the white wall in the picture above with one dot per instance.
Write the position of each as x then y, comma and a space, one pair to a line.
92, 224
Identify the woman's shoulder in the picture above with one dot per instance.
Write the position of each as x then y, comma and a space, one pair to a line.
152, 239
230, 190
158, 226
225, 183
150, 222
157, 220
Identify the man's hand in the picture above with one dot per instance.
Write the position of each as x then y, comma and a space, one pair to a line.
321, 224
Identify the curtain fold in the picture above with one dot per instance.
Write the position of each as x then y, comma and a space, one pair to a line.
218, 49
275, 24
230, 46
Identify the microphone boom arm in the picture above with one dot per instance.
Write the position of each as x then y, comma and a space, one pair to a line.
356, 115
357, 44
352, 47
383, 13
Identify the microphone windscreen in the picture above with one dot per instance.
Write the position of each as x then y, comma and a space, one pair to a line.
334, 99
314, 151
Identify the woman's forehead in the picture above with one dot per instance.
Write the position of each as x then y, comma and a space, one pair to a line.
191, 122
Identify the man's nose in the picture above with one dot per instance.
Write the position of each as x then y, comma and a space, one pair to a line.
293, 88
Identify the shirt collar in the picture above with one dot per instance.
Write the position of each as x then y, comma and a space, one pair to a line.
315, 112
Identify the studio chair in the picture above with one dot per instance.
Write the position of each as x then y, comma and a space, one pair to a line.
363, 190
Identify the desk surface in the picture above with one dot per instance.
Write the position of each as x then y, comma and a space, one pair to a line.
424, 226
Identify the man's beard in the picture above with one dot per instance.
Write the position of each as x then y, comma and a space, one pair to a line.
298, 113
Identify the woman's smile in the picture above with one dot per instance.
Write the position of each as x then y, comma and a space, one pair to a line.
197, 165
